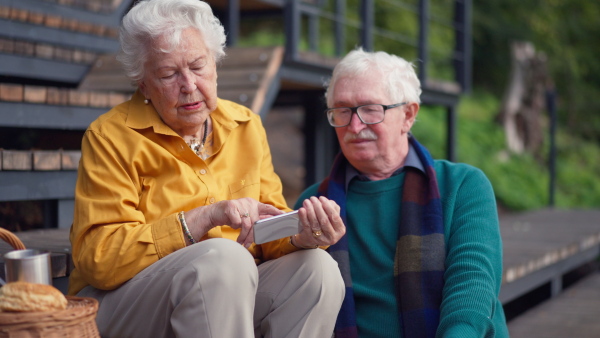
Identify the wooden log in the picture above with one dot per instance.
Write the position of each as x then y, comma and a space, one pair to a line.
35, 94
46, 160
16, 160
57, 96
11, 92
70, 159
79, 98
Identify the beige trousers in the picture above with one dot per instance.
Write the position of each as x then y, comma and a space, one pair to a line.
213, 289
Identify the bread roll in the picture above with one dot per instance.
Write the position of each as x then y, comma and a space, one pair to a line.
26, 297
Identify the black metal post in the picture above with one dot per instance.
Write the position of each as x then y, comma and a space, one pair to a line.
451, 133
292, 28
463, 48
551, 105
423, 40
320, 143
313, 32
368, 21
340, 35
233, 22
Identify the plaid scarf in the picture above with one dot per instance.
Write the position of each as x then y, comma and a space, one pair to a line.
420, 250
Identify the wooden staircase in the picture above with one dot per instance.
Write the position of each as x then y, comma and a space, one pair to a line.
46, 48
58, 73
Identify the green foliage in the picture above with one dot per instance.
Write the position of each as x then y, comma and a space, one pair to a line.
566, 31
520, 182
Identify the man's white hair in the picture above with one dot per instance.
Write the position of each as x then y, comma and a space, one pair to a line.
398, 74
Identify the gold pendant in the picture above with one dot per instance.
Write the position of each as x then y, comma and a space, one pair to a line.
195, 145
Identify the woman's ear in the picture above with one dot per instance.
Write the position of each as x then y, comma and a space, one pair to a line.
142, 87
410, 114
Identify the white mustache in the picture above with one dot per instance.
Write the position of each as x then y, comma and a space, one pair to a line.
365, 134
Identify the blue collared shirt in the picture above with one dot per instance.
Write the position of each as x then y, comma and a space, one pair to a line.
412, 160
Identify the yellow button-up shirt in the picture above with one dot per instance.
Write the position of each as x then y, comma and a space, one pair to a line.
136, 173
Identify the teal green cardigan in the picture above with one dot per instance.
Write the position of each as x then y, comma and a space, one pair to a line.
470, 305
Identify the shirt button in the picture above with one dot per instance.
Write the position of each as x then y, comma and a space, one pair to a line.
212, 200
202, 171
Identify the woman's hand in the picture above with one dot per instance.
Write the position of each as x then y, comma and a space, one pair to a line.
321, 223
238, 214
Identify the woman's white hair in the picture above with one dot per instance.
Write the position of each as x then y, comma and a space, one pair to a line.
151, 19
398, 74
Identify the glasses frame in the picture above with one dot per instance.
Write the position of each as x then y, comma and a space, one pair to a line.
354, 110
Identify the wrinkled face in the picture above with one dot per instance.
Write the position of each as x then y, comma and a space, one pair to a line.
374, 147
182, 84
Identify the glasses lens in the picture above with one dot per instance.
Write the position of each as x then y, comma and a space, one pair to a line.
372, 113
339, 116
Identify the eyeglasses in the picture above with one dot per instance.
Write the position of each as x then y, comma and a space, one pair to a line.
367, 113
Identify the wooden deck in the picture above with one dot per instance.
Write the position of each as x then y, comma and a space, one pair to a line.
573, 313
542, 246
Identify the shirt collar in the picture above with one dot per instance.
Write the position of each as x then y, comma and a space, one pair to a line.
412, 160
142, 116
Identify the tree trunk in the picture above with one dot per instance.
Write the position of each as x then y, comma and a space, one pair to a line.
524, 100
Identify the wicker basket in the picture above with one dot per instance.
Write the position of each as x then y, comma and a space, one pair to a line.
78, 320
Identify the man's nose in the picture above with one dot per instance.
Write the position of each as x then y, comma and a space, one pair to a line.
356, 124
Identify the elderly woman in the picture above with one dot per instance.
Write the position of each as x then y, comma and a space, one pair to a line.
170, 180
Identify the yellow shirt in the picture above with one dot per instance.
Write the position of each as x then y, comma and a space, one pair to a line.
136, 173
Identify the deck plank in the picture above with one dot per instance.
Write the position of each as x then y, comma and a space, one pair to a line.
573, 313
537, 239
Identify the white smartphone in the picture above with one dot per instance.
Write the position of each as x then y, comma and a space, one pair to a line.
276, 227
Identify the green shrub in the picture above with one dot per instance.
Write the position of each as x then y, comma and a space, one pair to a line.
521, 182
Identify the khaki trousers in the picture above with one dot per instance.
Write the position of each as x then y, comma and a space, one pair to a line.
214, 289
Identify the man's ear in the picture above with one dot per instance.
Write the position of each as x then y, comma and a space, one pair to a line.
410, 114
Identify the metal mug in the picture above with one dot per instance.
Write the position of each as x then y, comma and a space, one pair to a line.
29, 265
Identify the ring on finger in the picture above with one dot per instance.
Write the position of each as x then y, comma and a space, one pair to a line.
245, 215
317, 233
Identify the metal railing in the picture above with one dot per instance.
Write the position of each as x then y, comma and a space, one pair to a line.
435, 34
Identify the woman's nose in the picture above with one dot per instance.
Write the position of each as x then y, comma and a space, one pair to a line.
188, 83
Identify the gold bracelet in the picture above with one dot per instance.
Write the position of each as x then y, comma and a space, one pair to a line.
301, 247
186, 230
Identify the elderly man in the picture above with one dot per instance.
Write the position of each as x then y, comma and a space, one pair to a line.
422, 255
